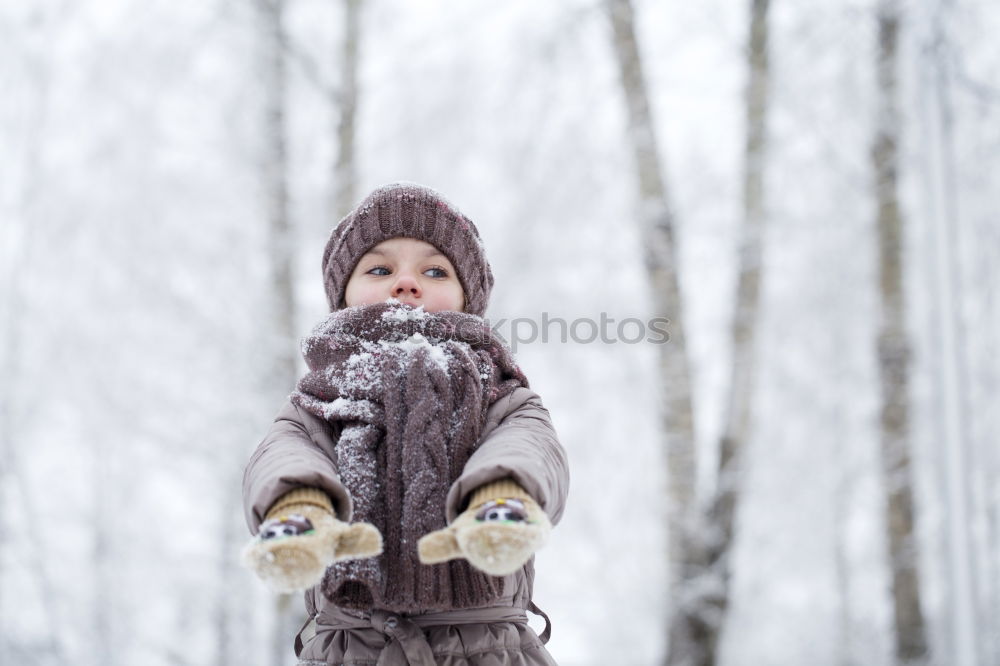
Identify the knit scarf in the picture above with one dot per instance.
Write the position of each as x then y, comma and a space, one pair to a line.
409, 392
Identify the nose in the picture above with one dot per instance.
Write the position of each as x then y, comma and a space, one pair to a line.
406, 285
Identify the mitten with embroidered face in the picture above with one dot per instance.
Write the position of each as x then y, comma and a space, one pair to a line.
497, 534
300, 538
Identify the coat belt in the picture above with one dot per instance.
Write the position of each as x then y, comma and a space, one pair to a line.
407, 643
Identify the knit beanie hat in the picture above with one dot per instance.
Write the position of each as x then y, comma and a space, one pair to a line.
412, 211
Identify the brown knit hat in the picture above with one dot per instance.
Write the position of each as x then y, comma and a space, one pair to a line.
412, 211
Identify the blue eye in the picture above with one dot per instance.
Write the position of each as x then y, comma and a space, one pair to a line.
436, 272
378, 270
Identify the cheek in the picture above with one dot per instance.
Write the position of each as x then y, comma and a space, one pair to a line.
453, 299
359, 294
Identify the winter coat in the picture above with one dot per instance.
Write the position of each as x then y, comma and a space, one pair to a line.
517, 442
410, 391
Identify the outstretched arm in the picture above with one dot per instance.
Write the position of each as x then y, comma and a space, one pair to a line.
298, 507
520, 445
297, 452
512, 489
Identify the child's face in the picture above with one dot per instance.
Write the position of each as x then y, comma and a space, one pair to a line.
409, 270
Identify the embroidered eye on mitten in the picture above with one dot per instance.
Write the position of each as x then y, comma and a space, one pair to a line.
497, 534
300, 538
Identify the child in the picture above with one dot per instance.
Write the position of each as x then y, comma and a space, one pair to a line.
412, 474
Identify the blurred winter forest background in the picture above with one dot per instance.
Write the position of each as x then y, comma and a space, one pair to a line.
806, 474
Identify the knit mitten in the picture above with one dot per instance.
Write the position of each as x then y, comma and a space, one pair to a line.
497, 534
300, 538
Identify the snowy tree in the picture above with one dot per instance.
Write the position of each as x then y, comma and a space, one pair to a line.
140, 321
738, 416
282, 347
345, 166
688, 624
894, 351
965, 469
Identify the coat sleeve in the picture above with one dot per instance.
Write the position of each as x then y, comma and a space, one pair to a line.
520, 443
296, 452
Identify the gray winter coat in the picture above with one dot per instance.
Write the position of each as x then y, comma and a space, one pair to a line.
517, 442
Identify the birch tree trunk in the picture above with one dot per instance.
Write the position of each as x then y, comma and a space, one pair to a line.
282, 346
226, 627
103, 552
14, 481
737, 422
960, 473
894, 354
275, 174
17, 255
344, 169
13, 249
660, 258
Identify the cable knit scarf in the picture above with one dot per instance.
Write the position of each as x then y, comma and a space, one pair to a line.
409, 392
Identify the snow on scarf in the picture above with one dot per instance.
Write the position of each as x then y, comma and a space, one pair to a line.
409, 391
